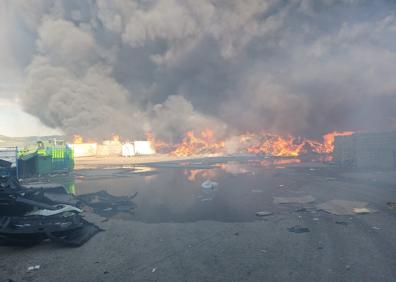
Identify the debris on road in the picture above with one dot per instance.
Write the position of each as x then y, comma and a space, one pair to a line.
107, 205
28, 217
154, 270
263, 213
392, 205
298, 229
361, 210
341, 207
33, 267
257, 191
301, 210
208, 184
342, 223
294, 200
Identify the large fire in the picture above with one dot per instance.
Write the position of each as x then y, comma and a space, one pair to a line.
206, 142
202, 143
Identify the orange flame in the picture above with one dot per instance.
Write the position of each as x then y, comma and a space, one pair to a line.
204, 143
328, 139
115, 138
77, 139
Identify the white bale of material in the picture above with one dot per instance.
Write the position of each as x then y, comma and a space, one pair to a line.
143, 148
109, 150
84, 149
128, 150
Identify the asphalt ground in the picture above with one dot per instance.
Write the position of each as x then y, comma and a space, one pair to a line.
175, 235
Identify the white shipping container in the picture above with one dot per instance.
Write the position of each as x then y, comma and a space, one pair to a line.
128, 150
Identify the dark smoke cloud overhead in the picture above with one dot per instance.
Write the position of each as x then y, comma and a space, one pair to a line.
167, 66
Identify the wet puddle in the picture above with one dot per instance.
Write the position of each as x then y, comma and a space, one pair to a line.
231, 191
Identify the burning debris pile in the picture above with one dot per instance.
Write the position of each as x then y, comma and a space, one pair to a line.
206, 142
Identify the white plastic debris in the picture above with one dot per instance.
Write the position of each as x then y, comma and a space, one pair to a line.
208, 184
33, 267
263, 213
154, 270
62, 209
361, 210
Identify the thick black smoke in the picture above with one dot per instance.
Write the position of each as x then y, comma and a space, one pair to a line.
302, 67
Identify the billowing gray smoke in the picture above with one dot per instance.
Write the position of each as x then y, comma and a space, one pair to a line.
130, 66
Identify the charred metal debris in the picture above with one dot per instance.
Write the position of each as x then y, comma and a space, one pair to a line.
29, 216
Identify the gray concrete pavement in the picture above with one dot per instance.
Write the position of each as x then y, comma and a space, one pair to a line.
261, 249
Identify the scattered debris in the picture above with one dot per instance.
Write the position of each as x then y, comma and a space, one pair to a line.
28, 217
263, 213
376, 228
361, 210
315, 219
298, 229
257, 191
294, 200
281, 185
107, 205
154, 270
60, 209
392, 205
301, 210
341, 207
208, 184
342, 223
33, 267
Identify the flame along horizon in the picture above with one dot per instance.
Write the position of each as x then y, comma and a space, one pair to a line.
206, 142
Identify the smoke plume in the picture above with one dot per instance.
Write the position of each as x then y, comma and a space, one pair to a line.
167, 66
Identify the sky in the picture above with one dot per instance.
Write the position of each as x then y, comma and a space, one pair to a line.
101, 67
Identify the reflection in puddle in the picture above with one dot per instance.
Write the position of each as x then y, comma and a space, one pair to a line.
174, 192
